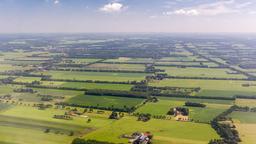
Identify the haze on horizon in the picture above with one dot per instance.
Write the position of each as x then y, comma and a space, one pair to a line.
50, 16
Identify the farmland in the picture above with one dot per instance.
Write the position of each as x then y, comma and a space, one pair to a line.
54, 89
211, 87
95, 76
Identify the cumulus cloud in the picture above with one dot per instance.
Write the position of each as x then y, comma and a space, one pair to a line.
56, 2
112, 7
209, 9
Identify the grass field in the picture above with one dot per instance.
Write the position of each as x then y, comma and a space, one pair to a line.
197, 114
81, 60
27, 79
222, 88
56, 92
184, 59
8, 67
130, 60
100, 76
184, 63
245, 124
246, 102
126, 67
104, 101
165, 131
244, 117
88, 85
28, 125
200, 72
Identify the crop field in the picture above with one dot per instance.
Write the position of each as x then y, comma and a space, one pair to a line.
130, 60
245, 124
96, 76
126, 67
246, 102
105, 101
27, 79
104, 87
81, 85
24, 121
200, 72
80, 60
184, 63
182, 59
196, 114
221, 88
8, 67
56, 92
165, 131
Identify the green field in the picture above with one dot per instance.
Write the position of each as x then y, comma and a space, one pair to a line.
80, 60
165, 131
27, 79
126, 67
184, 63
182, 59
246, 102
125, 87
245, 124
244, 117
105, 101
196, 114
217, 88
200, 72
130, 60
99, 76
56, 92
28, 125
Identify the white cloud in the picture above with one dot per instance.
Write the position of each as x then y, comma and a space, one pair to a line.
210, 9
112, 7
56, 2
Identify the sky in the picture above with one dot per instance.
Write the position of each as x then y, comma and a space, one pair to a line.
87, 16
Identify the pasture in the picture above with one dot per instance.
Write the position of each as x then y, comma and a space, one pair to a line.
165, 131
216, 88
125, 67
95, 76
200, 72
104, 101
125, 87
245, 123
28, 124
196, 114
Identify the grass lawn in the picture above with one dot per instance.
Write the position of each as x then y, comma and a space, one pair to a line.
211, 87
200, 72
104, 101
100, 76
164, 131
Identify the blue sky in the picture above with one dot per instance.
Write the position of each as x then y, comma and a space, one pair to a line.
26, 16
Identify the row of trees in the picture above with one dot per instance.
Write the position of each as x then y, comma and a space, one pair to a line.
227, 131
194, 104
83, 141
